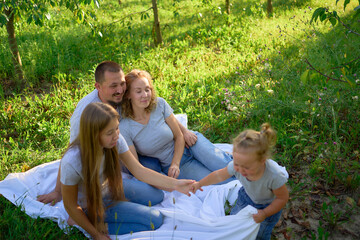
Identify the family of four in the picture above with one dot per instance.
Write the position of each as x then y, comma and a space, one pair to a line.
122, 126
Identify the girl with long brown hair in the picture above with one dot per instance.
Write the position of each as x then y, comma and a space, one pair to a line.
91, 181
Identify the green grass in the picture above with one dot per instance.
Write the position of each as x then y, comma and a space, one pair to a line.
227, 73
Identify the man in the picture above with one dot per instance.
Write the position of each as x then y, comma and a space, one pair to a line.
110, 88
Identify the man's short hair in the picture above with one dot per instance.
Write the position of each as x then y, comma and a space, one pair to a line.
109, 66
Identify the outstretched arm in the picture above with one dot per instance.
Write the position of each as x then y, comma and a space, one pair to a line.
282, 197
213, 178
54, 196
154, 178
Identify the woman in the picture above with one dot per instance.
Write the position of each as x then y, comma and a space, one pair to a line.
91, 182
150, 128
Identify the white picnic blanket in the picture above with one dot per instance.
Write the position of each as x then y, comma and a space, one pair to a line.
198, 217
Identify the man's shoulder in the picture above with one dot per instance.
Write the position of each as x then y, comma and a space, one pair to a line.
90, 98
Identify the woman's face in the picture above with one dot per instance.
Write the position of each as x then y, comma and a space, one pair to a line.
140, 93
110, 134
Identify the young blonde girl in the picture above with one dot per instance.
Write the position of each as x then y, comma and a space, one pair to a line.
263, 182
91, 181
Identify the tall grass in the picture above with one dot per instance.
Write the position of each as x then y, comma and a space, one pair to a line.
226, 73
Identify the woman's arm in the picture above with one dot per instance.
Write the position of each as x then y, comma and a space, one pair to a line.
70, 195
154, 178
179, 144
54, 196
282, 197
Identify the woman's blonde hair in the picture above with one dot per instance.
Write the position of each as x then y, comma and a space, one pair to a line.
94, 119
261, 142
126, 107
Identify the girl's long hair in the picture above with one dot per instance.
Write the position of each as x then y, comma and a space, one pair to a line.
261, 142
126, 107
96, 117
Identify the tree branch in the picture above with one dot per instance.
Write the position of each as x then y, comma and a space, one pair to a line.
312, 68
130, 15
350, 30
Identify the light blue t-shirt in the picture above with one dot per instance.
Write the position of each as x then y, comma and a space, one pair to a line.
71, 169
260, 191
75, 118
154, 139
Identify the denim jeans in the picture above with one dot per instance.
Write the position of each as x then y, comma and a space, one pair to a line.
126, 217
267, 225
201, 159
139, 192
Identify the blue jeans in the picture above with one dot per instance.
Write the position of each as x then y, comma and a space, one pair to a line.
267, 225
126, 217
201, 159
139, 192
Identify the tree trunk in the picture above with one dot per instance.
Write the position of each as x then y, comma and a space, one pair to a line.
13, 45
269, 8
227, 6
158, 39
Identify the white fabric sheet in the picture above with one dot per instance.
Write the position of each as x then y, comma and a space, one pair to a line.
198, 217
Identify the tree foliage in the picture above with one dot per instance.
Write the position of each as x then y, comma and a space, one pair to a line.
37, 12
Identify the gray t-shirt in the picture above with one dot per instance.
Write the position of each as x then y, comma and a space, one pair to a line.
71, 170
75, 118
154, 139
260, 191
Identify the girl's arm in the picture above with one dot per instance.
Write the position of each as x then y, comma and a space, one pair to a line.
213, 178
70, 197
133, 151
179, 141
54, 196
282, 197
154, 178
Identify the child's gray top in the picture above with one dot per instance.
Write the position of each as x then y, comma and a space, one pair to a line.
154, 139
260, 191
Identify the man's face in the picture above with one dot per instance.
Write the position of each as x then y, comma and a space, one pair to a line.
113, 88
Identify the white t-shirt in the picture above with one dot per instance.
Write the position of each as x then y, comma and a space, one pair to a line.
75, 118
71, 169
154, 139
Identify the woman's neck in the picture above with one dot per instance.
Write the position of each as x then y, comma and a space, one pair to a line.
140, 115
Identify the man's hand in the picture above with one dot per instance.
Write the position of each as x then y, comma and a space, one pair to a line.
51, 198
190, 138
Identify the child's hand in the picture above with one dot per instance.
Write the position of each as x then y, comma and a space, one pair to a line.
260, 216
196, 186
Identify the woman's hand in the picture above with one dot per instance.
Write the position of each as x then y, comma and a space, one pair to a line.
184, 186
174, 171
51, 198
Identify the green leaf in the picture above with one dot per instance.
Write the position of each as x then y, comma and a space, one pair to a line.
346, 2
333, 21
305, 77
